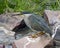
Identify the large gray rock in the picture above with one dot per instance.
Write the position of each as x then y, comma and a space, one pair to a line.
53, 18
6, 36
10, 20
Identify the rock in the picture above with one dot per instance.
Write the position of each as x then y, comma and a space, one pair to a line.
34, 43
50, 45
8, 46
57, 36
6, 36
18, 36
1, 46
53, 18
5, 31
11, 20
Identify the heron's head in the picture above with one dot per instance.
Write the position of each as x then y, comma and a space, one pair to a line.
26, 14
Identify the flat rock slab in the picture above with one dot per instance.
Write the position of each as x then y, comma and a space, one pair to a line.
24, 43
10, 21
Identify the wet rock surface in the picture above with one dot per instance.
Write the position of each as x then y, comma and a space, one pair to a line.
53, 19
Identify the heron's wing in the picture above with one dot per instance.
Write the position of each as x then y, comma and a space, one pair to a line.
37, 23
